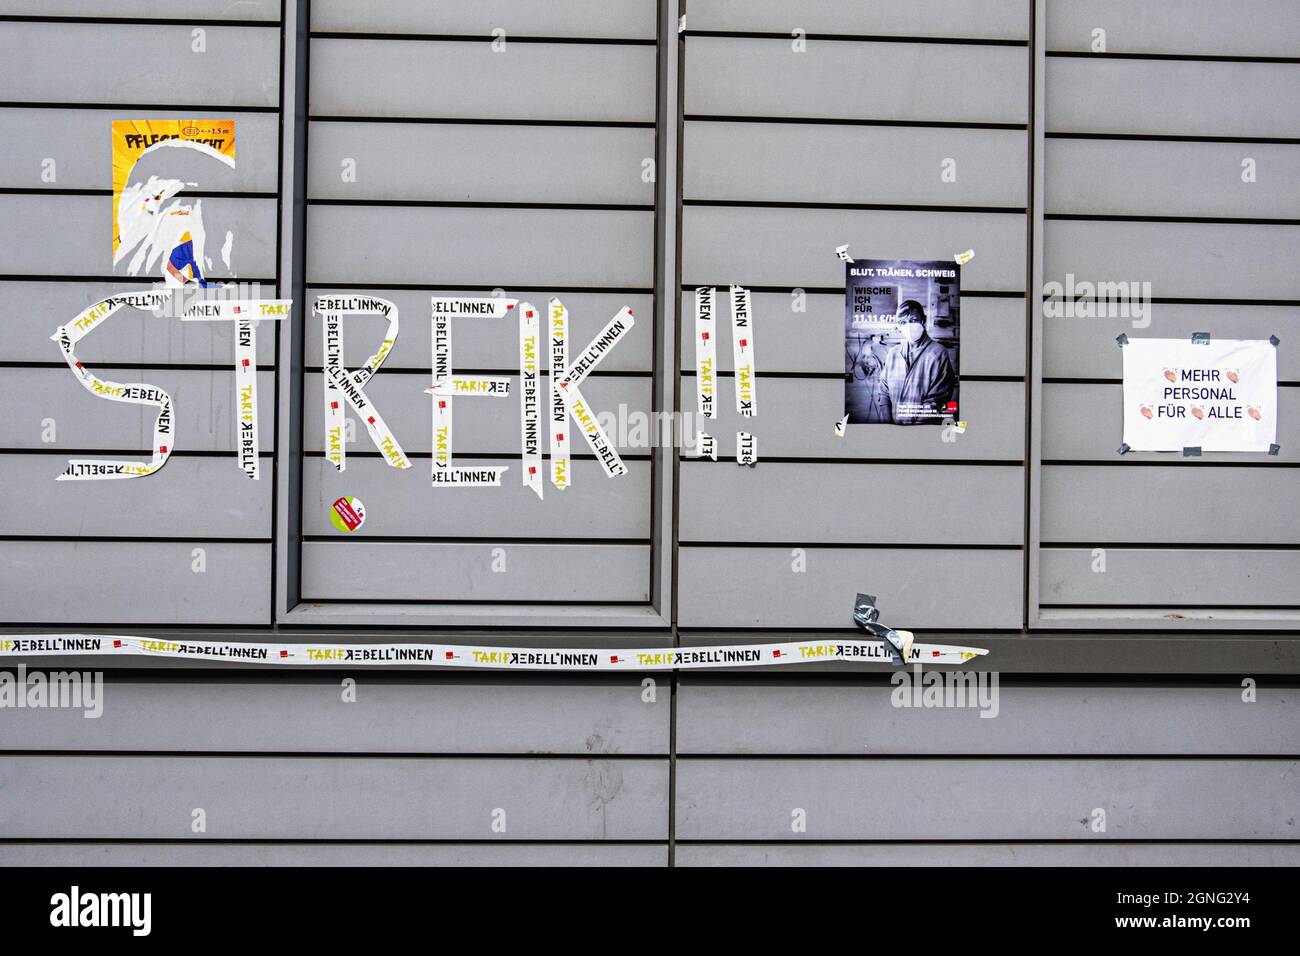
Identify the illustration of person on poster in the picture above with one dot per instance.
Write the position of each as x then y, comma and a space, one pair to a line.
155, 228
157, 233
902, 324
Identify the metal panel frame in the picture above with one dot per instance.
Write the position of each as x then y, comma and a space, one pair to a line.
1143, 622
1091, 641
291, 609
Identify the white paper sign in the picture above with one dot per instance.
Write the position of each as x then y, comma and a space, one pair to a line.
1217, 396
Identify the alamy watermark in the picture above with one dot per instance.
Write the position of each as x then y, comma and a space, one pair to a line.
631, 428
78, 690
185, 297
974, 689
76, 908
1075, 299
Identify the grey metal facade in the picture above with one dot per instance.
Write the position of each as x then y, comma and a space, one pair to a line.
609, 154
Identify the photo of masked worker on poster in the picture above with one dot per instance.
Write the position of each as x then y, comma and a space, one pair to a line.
902, 321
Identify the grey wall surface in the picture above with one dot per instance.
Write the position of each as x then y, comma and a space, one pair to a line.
1153, 187
774, 132
523, 161
132, 547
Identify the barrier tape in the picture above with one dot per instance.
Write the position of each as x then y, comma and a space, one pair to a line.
742, 352
443, 473
245, 313
344, 386
530, 408
706, 352
576, 404
486, 656
600, 346
746, 449
705, 446
246, 390
557, 413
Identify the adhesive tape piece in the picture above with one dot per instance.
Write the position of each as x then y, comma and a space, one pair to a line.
443, 472
742, 352
706, 352
558, 414
464, 385
324, 653
962, 258
530, 405
245, 313
843, 253
601, 446
841, 426
342, 386
600, 346
746, 448
909, 639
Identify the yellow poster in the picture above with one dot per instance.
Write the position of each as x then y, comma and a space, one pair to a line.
132, 138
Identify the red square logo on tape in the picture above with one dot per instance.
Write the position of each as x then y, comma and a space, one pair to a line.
559, 437
117, 643
371, 419
952, 406
334, 404
744, 342
777, 652
162, 449
613, 659
450, 655
442, 404
935, 653
245, 361
705, 336
284, 653
529, 314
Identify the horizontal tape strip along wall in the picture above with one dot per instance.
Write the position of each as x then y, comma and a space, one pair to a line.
484, 656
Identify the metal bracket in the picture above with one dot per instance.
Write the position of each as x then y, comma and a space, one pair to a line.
1200, 338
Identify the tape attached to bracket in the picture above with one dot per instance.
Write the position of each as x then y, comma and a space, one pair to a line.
325, 653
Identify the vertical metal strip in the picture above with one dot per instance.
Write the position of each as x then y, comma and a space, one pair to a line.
665, 398
296, 15
672, 58
1034, 311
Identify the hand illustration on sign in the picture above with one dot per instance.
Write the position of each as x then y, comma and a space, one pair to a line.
1201, 393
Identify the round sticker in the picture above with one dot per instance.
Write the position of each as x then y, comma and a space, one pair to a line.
348, 514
